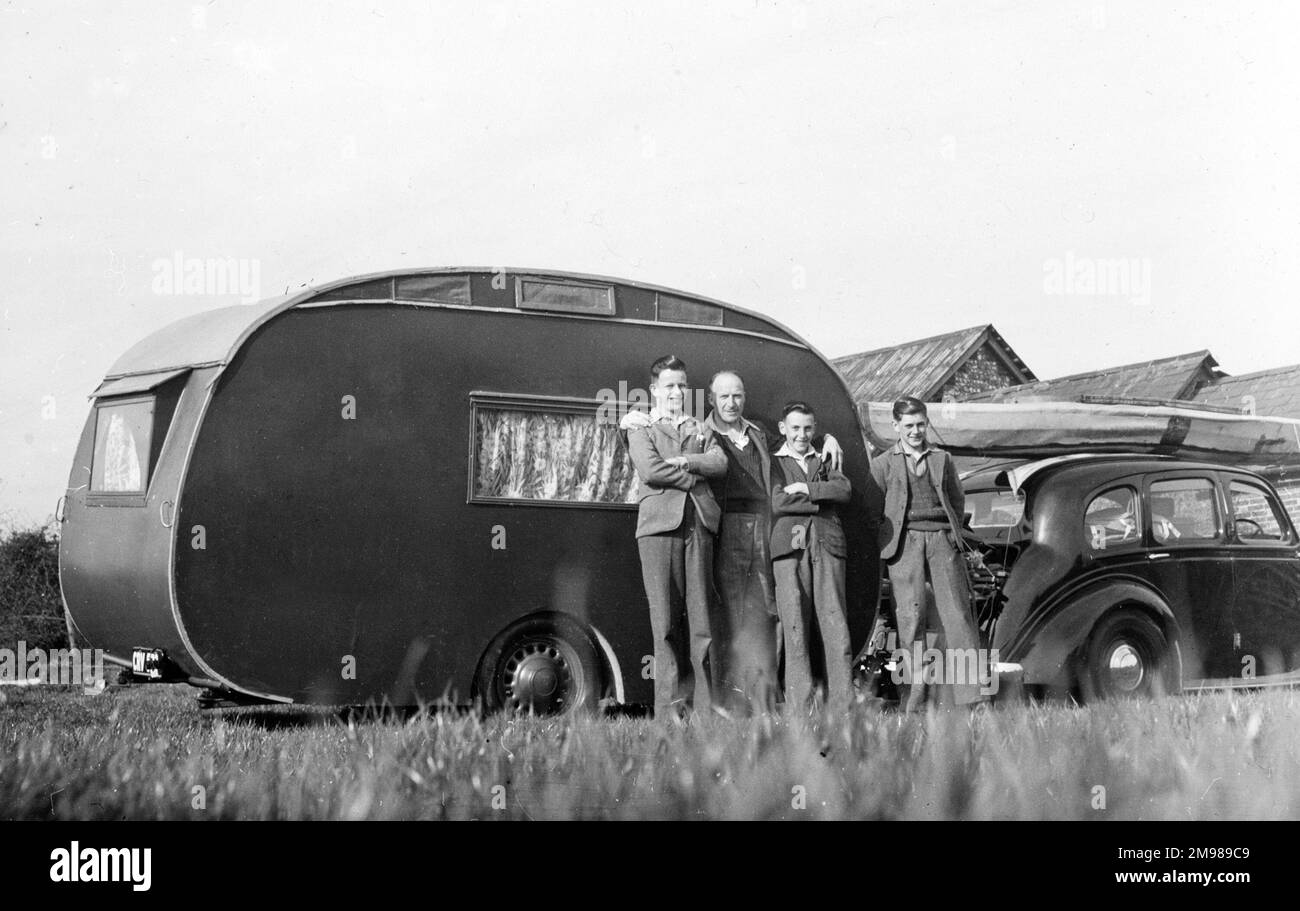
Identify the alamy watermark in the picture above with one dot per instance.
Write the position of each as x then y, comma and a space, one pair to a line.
183, 274
615, 403
75, 864
1084, 276
61, 666
934, 667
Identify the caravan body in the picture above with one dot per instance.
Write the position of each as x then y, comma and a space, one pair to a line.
404, 486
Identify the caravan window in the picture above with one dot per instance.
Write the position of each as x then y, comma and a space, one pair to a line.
123, 432
559, 453
442, 289
672, 309
132, 417
564, 296
377, 289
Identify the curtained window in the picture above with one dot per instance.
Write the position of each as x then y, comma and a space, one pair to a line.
566, 455
122, 436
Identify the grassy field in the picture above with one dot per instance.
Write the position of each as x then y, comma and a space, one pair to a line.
146, 752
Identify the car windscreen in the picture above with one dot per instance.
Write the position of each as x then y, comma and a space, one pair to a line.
993, 508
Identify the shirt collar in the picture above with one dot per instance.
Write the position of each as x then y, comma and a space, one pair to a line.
745, 422
656, 416
785, 450
899, 450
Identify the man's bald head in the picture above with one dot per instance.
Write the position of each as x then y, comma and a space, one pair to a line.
727, 395
731, 374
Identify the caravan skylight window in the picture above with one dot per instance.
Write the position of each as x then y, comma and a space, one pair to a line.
680, 310
378, 289
564, 297
440, 289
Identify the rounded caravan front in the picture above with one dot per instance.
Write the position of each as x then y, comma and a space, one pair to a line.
404, 487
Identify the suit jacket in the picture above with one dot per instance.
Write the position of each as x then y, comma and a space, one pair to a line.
887, 510
722, 484
664, 487
826, 488
758, 439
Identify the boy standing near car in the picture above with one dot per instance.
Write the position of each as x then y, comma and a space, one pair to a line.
808, 554
677, 518
917, 512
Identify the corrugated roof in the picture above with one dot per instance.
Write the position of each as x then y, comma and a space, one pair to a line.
920, 367
1170, 378
1276, 392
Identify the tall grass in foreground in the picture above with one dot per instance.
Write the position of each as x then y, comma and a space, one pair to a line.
147, 753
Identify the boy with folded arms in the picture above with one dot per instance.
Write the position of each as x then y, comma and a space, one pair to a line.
808, 554
677, 518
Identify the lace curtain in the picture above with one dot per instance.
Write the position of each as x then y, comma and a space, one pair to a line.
121, 448
539, 455
122, 464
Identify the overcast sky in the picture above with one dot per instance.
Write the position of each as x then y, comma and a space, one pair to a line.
865, 173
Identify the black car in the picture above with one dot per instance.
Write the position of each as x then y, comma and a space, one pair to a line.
1108, 575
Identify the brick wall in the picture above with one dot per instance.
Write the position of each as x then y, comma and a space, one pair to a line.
982, 372
1257, 509
1287, 485
1289, 490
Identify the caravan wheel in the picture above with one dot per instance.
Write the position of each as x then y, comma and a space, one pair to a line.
542, 665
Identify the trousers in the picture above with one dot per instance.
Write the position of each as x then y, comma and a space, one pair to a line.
934, 551
744, 653
676, 568
810, 583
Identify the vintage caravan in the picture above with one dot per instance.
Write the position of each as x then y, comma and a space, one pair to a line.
406, 487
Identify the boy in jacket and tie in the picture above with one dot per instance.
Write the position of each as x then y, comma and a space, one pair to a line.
808, 554
677, 518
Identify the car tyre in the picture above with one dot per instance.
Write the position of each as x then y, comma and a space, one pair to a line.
1127, 655
546, 664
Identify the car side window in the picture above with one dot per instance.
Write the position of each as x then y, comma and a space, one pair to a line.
1256, 515
1183, 510
1111, 519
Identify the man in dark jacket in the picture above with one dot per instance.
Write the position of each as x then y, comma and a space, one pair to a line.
745, 623
917, 516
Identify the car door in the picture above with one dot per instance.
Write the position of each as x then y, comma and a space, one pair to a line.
1186, 558
1266, 568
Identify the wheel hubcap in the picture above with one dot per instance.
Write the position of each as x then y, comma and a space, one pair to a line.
1125, 667
538, 678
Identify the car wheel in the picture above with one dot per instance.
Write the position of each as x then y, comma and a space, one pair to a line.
1127, 655
542, 665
